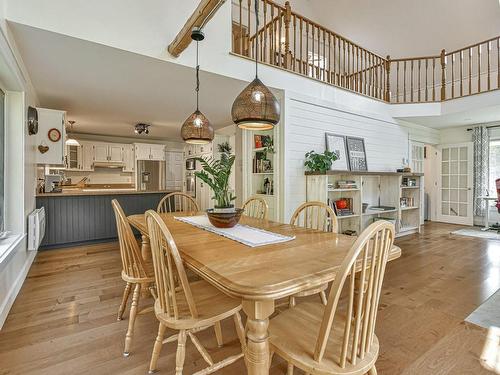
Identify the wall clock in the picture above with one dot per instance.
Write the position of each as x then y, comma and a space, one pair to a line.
54, 135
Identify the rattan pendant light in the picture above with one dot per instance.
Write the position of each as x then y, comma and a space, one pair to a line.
197, 129
256, 108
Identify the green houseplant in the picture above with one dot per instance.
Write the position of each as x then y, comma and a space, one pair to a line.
320, 162
216, 173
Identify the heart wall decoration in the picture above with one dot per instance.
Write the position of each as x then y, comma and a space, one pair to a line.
43, 148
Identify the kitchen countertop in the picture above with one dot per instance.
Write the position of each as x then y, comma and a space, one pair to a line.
87, 191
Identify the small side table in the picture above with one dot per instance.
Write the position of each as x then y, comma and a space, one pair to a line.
487, 215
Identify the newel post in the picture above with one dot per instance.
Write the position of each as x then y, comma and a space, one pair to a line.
443, 74
387, 96
288, 19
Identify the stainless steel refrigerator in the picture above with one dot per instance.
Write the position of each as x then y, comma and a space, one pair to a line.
150, 175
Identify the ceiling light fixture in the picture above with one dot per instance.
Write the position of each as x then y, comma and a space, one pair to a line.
141, 128
197, 129
70, 141
256, 108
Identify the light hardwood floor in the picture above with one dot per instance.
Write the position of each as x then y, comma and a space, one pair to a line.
64, 319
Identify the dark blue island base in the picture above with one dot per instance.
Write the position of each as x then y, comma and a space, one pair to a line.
78, 219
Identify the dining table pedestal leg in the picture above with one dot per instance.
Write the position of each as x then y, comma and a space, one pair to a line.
257, 349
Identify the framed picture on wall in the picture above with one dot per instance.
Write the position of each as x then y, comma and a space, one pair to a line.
336, 143
356, 153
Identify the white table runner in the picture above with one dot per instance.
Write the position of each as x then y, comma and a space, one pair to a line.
245, 234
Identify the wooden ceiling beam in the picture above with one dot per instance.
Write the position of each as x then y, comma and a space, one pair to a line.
202, 14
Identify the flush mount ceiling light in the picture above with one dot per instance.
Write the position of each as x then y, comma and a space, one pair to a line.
197, 129
256, 108
141, 128
70, 141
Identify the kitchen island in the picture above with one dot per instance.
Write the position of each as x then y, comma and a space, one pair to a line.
78, 216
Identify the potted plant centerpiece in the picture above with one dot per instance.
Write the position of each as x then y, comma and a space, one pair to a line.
320, 162
216, 174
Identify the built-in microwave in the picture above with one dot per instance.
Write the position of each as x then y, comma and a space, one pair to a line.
190, 164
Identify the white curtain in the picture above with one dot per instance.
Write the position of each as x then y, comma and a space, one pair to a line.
481, 141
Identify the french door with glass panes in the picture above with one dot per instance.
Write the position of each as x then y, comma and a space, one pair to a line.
455, 183
417, 157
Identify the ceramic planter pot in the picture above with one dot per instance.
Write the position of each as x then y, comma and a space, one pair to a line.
224, 218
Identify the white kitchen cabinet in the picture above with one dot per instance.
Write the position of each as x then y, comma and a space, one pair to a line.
115, 153
157, 152
129, 158
87, 156
108, 152
204, 149
73, 157
146, 151
189, 150
203, 195
175, 170
101, 152
50, 119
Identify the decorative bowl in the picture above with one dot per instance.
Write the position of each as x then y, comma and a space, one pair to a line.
224, 219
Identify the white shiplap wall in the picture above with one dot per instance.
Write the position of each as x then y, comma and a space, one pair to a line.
306, 124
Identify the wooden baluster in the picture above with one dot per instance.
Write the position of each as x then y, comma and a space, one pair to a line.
343, 64
264, 31
387, 78
272, 37
357, 69
411, 82
498, 63
294, 57
313, 59
307, 48
241, 28
443, 75
324, 57
470, 71
397, 81
249, 6
376, 86
419, 78
488, 50
329, 57
348, 65
461, 58
361, 72
288, 18
404, 81
452, 75
372, 75
280, 51
426, 80
334, 79
301, 48
479, 68
433, 79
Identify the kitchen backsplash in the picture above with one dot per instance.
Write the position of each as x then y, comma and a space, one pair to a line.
98, 176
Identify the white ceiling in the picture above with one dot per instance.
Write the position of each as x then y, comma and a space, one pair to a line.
403, 28
107, 90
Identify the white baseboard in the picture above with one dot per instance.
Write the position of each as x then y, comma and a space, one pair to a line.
16, 287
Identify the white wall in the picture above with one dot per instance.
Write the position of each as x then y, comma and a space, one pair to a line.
307, 121
20, 166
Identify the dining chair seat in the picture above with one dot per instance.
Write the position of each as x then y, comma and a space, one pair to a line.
306, 318
212, 306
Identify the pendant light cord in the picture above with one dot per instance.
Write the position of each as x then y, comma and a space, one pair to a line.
197, 77
256, 37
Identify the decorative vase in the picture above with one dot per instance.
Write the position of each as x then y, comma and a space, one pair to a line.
224, 219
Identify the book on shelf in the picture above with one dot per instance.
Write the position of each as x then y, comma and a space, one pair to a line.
346, 184
261, 164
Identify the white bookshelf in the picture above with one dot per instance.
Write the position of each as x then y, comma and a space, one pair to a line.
372, 189
253, 183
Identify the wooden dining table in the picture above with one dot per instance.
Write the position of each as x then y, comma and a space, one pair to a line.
257, 275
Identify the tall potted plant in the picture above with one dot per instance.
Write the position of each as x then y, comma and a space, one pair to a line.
215, 173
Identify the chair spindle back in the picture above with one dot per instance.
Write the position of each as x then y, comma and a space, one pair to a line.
132, 262
368, 255
168, 267
177, 202
315, 215
255, 207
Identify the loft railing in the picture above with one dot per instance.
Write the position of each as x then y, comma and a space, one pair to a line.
295, 43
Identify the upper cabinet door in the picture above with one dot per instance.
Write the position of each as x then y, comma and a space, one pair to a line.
157, 152
101, 152
87, 159
115, 153
128, 158
142, 151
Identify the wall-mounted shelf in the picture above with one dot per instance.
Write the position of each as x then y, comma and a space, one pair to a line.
342, 190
